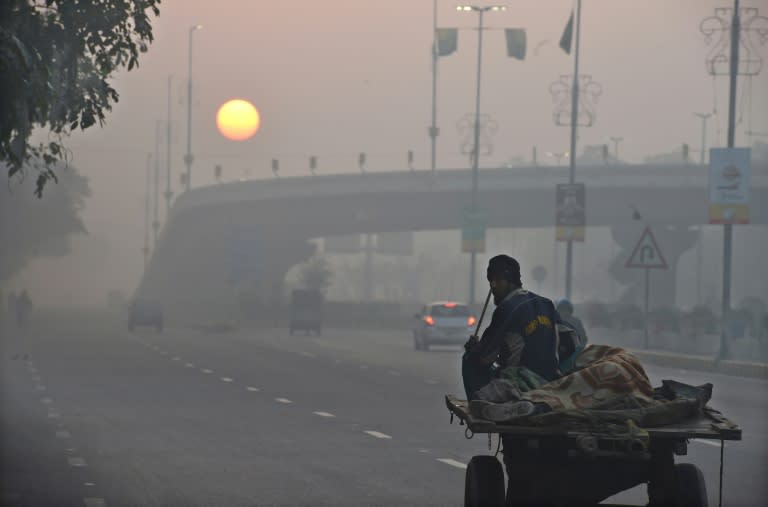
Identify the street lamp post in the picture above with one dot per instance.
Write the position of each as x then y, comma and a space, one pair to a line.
147, 185
156, 197
573, 152
168, 193
476, 144
433, 130
188, 158
616, 141
704, 117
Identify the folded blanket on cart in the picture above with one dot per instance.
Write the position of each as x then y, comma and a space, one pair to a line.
606, 384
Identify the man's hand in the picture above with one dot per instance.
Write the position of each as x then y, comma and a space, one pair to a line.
471, 343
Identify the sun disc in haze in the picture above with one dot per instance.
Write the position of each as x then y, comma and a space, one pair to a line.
238, 120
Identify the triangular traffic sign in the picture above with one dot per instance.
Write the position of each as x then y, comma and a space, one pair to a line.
647, 253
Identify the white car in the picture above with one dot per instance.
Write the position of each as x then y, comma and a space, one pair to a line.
443, 323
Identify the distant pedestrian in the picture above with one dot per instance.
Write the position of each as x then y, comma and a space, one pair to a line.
565, 309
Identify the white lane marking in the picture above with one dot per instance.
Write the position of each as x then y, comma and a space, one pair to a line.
94, 502
89, 484
307, 354
63, 434
283, 400
40, 388
324, 414
36, 378
363, 366
708, 442
394, 372
189, 365
376, 434
252, 389
76, 462
163, 353
46, 401
226, 379
175, 358
52, 414
206, 371
453, 463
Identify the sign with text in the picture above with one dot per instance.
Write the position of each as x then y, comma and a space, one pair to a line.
570, 212
730, 172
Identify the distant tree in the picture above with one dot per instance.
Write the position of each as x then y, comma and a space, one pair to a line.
31, 229
55, 59
316, 273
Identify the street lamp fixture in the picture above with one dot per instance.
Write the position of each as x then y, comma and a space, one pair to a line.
476, 8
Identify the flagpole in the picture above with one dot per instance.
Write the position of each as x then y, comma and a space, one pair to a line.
572, 157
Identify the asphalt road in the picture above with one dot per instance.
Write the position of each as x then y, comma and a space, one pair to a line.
93, 415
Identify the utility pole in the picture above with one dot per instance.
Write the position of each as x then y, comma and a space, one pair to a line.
168, 193
573, 152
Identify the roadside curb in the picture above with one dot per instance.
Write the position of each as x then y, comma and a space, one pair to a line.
703, 363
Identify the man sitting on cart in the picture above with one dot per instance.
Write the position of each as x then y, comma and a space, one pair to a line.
518, 350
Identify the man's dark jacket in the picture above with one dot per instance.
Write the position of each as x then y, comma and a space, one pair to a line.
522, 329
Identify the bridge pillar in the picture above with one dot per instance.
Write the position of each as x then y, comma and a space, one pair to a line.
673, 241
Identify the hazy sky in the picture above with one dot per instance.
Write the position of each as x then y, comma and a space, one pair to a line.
332, 78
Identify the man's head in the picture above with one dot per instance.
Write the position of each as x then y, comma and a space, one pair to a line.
503, 276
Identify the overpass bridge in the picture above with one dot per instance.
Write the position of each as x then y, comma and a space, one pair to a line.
266, 224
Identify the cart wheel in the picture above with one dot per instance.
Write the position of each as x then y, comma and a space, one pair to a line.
691, 489
416, 344
484, 482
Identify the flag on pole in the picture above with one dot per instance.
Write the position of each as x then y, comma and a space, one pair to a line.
446, 40
516, 42
567, 37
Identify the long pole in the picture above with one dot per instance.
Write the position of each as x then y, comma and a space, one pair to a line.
188, 158
433, 132
368, 267
156, 214
728, 228
476, 153
645, 306
704, 117
616, 141
168, 192
699, 247
574, 126
147, 185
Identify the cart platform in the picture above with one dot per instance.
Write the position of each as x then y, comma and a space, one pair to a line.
711, 424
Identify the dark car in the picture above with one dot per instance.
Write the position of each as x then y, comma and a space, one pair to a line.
443, 323
144, 312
